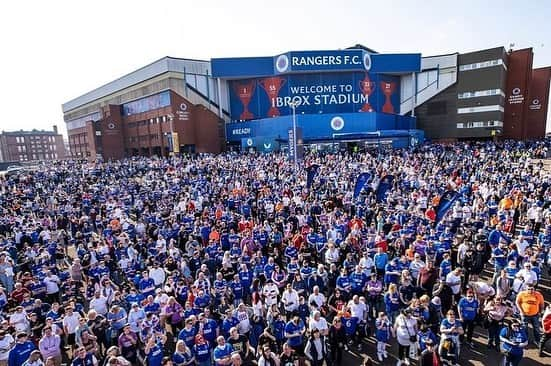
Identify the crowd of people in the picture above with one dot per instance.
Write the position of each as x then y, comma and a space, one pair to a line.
238, 259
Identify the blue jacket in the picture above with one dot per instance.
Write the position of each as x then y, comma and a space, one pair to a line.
20, 353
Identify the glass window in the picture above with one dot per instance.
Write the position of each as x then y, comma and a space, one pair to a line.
146, 104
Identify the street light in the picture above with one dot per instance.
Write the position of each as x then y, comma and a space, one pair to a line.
294, 105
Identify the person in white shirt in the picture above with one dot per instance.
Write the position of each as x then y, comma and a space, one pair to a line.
527, 274
318, 322
52, 287
453, 279
331, 254
405, 327
6, 343
367, 264
161, 297
157, 274
416, 265
358, 309
243, 315
289, 298
270, 292
521, 245
70, 325
463, 247
19, 320
316, 300
99, 303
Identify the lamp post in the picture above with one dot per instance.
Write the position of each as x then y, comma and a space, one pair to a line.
294, 105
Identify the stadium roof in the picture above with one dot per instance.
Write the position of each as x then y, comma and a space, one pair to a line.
161, 66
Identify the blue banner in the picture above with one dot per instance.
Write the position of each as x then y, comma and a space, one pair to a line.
315, 61
325, 126
311, 173
346, 60
446, 202
334, 92
308, 61
362, 180
384, 185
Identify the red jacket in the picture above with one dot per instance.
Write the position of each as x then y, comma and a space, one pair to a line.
546, 321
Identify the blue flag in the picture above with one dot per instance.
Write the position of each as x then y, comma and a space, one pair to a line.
360, 183
384, 186
311, 173
446, 202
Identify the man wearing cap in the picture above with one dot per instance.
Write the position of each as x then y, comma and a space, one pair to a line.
135, 317
6, 343
530, 304
34, 359
127, 343
50, 345
21, 351
19, 320
430, 356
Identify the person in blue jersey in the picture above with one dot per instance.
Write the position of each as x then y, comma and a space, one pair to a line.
207, 327
229, 320
222, 352
425, 336
182, 356
117, 318
392, 272
468, 308
294, 332
147, 285
499, 257
21, 350
343, 283
188, 333
450, 330
358, 281
154, 349
84, 358
382, 334
513, 340
392, 302
498, 236
202, 351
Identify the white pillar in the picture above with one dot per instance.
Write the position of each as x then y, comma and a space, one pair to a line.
413, 93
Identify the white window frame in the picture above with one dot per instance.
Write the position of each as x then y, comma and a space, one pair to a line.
480, 109
481, 65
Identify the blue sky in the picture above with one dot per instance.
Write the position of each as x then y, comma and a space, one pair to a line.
55, 51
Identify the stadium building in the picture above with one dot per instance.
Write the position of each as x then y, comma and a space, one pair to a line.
350, 98
170, 105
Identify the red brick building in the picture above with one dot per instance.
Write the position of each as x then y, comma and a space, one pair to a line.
171, 105
31, 145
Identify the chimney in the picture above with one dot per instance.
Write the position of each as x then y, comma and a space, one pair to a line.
55, 129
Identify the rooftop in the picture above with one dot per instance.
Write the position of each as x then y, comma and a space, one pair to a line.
31, 132
161, 66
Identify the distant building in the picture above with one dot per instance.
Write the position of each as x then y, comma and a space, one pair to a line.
31, 145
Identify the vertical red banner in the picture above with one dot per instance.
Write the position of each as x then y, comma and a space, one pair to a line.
538, 101
519, 73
